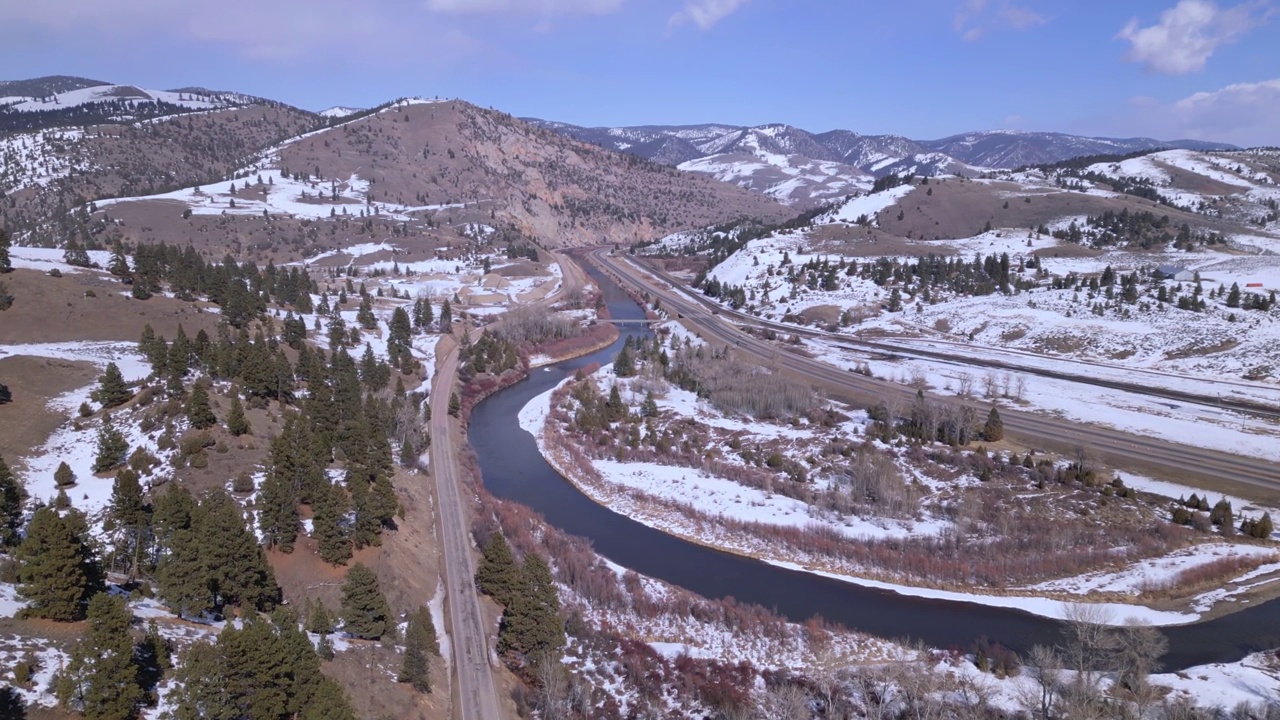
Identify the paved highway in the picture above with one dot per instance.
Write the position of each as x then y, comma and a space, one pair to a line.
1163, 458
476, 696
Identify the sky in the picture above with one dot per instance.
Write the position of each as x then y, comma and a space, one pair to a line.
925, 69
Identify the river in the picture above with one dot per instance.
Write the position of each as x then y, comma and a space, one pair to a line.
513, 469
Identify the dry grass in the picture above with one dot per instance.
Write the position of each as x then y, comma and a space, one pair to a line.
49, 309
27, 422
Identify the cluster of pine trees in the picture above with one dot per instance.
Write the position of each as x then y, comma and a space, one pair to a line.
531, 630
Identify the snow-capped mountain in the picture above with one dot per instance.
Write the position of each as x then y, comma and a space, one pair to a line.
802, 168
61, 101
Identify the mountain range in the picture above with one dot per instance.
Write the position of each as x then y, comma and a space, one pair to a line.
796, 166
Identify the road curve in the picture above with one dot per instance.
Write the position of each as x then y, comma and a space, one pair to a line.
1115, 448
476, 696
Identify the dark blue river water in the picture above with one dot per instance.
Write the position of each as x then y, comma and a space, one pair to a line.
513, 469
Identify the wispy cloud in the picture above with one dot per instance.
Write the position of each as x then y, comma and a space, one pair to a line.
285, 31
526, 7
1189, 33
1242, 114
975, 18
704, 13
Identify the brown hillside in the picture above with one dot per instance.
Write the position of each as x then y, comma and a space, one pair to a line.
557, 190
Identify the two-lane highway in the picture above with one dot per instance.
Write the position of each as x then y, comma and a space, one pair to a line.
476, 696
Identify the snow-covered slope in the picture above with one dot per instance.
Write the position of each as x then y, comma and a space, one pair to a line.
340, 111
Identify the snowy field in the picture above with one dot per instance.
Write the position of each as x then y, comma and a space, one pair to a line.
630, 489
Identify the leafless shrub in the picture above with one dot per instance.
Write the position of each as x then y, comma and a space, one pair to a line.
531, 325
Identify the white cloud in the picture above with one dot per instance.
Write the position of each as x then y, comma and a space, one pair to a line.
974, 18
527, 7
1244, 114
704, 13
1187, 35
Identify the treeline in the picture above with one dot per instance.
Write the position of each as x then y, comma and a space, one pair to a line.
916, 277
1143, 229
124, 110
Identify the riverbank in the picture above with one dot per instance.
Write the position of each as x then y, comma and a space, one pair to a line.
675, 500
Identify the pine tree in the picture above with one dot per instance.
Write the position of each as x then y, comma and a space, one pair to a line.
330, 507
101, 677
531, 623
237, 423
446, 317
278, 512
131, 516
365, 613
58, 573
623, 364
498, 575
119, 265
237, 570
650, 406
419, 644
329, 703
993, 430
112, 390
455, 405
64, 476
198, 409
112, 447
5, 264
12, 497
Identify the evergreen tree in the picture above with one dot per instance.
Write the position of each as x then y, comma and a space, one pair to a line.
237, 570
455, 405
365, 613
113, 449
12, 706
112, 390
119, 265
399, 330
5, 264
330, 507
58, 572
531, 624
624, 363
498, 575
1233, 300
198, 409
993, 430
64, 476
12, 497
446, 317
6, 396
101, 677
420, 644
237, 423
131, 517
650, 406
329, 703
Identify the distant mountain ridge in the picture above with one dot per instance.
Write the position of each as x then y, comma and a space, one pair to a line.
1004, 149
798, 167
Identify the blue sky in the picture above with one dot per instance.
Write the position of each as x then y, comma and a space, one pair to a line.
921, 68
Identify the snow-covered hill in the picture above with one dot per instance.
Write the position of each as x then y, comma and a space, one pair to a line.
99, 104
340, 111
